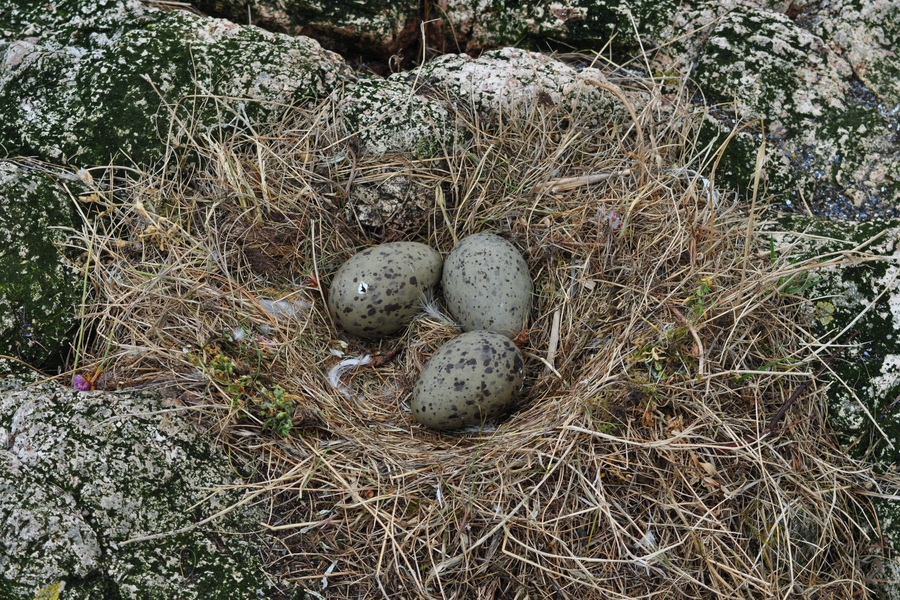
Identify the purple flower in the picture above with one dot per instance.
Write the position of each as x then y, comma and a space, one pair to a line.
81, 384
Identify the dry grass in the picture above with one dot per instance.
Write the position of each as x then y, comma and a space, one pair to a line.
640, 464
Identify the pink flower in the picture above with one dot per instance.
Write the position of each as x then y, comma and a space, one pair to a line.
615, 221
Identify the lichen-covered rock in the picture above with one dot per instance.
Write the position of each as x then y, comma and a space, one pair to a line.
393, 201
379, 27
88, 481
866, 33
515, 81
864, 295
388, 116
885, 584
473, 25
828, 145
863, 385
39, 287
111, 79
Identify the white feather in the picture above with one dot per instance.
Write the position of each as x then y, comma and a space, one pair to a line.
338, 370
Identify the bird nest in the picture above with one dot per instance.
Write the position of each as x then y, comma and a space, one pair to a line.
669, 440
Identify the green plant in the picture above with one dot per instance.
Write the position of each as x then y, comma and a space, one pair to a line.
229, 378
794, 283
655, 360
248, 394
277, 411
698, 302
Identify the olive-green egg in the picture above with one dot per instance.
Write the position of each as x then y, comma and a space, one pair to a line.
380, 289
487, 285
473, 378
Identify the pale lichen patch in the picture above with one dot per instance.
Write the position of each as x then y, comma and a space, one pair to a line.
81, 474
516, 81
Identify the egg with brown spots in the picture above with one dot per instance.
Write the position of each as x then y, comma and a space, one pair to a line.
487, 285
380, 289
473, 378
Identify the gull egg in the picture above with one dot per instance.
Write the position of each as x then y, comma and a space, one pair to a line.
379, 290
487, 285
474, 377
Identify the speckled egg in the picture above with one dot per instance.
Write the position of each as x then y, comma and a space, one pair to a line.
377, 291
487, 285
470, 379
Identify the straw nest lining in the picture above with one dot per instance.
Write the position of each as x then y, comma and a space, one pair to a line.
663, 340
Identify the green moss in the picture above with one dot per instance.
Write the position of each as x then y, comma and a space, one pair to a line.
38, 287
871, 369
113, 84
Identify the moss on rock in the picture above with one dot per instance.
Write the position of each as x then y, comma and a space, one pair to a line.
39, 287
388, 116
830, 148
112, 83
863, 295
863, 386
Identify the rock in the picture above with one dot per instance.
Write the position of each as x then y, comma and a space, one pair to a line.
394, 202
864, 295
89, 481
820, 76
828, 145
123, 74
388, 116
866, 34
888, 574
517, 81
863, 392
823, 78
380, 27
475, 26
39, 286
414, 112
